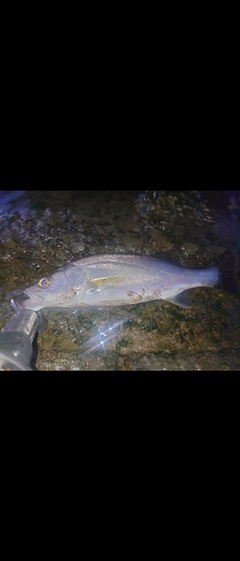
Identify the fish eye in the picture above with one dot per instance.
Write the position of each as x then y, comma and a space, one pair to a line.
44, 282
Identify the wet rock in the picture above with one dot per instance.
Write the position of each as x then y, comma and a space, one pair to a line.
160, 242
77, 247
9, 244
189, 248
132, 243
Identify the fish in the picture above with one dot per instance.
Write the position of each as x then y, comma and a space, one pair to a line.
120, 279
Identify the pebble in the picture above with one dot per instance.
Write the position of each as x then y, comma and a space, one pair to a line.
77, 247
189, 248
9, 244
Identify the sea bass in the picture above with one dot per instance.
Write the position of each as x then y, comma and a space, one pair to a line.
117, 280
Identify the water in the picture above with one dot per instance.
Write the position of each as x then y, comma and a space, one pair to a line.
40, 231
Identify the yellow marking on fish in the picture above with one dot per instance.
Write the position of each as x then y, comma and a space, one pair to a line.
100, 282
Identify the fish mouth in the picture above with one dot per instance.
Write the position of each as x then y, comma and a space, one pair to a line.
19, 301
24, 300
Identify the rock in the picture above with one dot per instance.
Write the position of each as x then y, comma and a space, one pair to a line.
9, 244
189, 248
160, 241
77, 247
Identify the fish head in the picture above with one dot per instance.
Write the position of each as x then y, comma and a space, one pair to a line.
62, 288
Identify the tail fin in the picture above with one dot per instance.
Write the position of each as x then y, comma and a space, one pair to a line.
227, 265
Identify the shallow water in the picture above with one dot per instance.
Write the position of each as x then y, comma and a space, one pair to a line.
40, 231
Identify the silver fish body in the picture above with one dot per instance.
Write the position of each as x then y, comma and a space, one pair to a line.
116, 280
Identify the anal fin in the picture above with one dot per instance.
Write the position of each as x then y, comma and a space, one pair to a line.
183, 299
